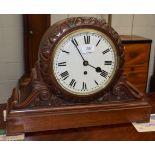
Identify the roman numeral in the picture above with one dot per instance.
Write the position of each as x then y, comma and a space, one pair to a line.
62, 64
104, 74
98, 42
108, 62
72, 83
84, 86
65, 51
96, 82
106, 51
74, 42
87, 39
64, 75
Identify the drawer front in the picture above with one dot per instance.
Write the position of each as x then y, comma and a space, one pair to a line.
136, 54
136, 75
134, 68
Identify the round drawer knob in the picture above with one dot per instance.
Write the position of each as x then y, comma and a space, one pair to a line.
31, 32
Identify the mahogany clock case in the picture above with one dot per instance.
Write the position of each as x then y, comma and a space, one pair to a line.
43, 105
58, 31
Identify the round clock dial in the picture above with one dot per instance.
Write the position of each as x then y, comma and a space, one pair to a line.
84, 62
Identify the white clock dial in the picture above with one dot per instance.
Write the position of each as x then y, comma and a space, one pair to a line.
84, 62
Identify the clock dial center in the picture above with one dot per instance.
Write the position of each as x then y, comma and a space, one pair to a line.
85, 63
85, 72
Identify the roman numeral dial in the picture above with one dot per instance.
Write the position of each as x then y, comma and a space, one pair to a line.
96, 82
74, 42
62, 64
84, 62
98, 42
87, 39
72, 83
104, 74
106, 51
84, 86
64, 51
107, 62
64, 75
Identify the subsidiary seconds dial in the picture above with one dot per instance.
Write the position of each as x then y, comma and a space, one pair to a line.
84, 62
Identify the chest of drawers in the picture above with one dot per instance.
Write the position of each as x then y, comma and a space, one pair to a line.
137, 53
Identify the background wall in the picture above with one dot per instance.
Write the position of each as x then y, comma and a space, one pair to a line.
11, 43
11, 53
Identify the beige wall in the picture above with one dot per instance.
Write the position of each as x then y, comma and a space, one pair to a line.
11, 43
11, 53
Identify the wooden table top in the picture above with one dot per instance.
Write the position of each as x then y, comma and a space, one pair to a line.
110, 132
134, 39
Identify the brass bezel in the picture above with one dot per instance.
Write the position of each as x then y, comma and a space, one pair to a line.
72, 34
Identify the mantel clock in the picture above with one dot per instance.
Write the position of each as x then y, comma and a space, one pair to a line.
77, 81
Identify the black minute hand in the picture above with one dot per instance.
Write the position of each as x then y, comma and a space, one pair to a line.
75, 44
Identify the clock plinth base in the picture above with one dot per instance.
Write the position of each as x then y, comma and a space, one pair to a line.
33, 120
35, 108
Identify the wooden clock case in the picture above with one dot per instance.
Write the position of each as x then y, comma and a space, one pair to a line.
42, 105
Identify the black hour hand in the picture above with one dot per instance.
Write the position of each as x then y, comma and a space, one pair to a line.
98, 69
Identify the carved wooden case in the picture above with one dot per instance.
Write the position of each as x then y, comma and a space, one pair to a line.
51, 38
43, 105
